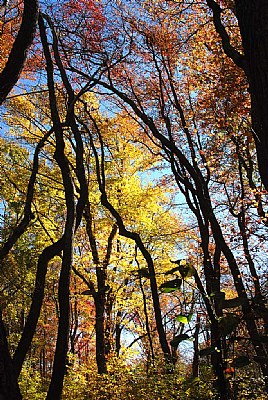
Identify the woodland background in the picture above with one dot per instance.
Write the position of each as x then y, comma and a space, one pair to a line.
133, 187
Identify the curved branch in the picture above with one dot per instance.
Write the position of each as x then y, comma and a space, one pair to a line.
123, 231
28, 214
17, 56
238, 58
37, 300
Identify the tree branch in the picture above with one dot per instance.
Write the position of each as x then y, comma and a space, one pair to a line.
12, 70
238, 58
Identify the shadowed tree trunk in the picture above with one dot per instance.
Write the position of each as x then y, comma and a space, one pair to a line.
60, 357
37, 300
9, 388
12, 70
252, 19
253, 22
195, 364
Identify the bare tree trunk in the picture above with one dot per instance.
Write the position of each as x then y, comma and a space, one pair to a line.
60, 357
118, 331
9, 388
37, 300
12, 70
195, 365
253, 18
100, 333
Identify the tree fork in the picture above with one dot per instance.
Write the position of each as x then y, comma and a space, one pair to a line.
37, 300
252, 19
59, 365
140, 245
9, 388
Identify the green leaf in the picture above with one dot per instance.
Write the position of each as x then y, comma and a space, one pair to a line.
178, 339
171, 286
187, 270
190, 316
167, 290
233, 303
228, 323
184, 319
241, 361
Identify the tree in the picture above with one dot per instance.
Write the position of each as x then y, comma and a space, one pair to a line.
168, 90
159, 65
17, 56
251, 19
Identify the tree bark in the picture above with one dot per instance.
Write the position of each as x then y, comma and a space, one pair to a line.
195, 363
37, 300
253, 23
60, 357
12, 70
252, 20
100, 336
9, 388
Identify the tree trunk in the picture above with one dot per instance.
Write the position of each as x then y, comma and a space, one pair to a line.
100, 333
9, 388
253, 22
37, 300
118, 331
60, 357
12, 70
195, 364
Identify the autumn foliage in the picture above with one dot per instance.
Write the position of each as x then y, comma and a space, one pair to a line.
133, 203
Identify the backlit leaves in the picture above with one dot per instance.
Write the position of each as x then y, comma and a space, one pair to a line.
171, 286
184, 319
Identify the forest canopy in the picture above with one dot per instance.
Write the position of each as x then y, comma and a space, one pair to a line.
133, 195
